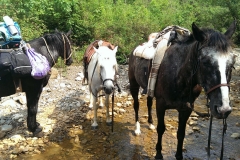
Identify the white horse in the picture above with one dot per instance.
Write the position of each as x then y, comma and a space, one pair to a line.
102, 71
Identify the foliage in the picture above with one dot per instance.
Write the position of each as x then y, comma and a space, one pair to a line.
125, 23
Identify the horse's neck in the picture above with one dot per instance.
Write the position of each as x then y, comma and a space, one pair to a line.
188, 71
47, 49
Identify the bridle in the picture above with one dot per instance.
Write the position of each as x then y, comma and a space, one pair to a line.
64, 53
196, 66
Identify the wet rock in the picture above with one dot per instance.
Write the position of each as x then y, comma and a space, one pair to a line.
196, 129
238, 124
192, 123
84, 141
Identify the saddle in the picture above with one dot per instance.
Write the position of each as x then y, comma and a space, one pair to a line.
90, 50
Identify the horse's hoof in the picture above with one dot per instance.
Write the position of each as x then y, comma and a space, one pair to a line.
109, 123
94, 127
137, 132
158, 157
37, 131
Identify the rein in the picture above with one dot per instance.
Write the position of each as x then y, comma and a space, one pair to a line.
64, 53
210, 125
196, 66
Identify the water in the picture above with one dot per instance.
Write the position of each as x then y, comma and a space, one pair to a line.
122, 144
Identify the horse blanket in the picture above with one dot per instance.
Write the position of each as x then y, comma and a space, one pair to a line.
160, 44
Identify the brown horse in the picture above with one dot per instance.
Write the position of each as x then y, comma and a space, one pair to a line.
202, 60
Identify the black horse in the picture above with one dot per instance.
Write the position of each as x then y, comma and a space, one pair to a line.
137, 73
52, 46
202, 60
139, 69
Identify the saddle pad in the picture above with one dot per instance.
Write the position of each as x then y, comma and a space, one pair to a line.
146, 50
15, 62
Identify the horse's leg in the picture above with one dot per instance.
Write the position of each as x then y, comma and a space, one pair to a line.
182, 120
134, 89
95, 107
149, 105
160, 127
90, 101
101, 105
108, 119
32, 105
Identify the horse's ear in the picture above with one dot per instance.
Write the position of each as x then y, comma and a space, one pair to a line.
69, 32
231, 29
56, 30
198, 34
115, 50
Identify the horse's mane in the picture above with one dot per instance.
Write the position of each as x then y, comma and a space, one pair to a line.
212, 39
55, 38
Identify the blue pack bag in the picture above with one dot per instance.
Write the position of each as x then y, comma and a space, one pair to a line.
7, 39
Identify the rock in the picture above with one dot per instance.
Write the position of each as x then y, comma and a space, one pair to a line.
235, 135
78, 79
196, 129
6, 128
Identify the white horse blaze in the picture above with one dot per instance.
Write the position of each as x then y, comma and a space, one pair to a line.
222, 62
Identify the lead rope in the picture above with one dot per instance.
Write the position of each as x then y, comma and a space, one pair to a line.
112, 110
49, 52
209, 134
224, 132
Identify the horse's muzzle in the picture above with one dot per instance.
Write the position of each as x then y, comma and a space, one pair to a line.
221, 112
108, 90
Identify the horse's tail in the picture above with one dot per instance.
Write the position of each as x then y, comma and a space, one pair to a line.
85, 72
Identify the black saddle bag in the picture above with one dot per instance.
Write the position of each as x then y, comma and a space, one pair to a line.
15, 62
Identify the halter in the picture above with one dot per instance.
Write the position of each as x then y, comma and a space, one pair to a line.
64, 53
211, 117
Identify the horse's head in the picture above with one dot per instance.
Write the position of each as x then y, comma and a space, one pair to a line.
107, 65
215, 60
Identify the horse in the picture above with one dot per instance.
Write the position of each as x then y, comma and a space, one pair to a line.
102, 72
204, 59
140, 67
52, 46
